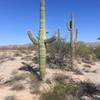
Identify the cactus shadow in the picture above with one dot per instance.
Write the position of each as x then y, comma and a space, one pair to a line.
32, 69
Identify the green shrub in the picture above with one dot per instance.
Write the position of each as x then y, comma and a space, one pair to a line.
62, 90
57, 53
97, 52
86, 52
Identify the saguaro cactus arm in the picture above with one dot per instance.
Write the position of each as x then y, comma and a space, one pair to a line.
32, 38
76, 38
50, 40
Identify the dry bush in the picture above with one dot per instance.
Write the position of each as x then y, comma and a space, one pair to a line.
57, 55
63, 90
17, 54
94, 71
78, 72
27, 58
97, 52
10, 98
88, 88
14, 72
87, 66
16, 78
34, 84
86, 53
17, 87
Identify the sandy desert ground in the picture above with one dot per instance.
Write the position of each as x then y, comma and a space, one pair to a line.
11, 75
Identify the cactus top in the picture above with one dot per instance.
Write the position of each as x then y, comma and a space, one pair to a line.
42, 31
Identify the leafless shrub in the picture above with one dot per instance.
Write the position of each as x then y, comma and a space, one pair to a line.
17, 54
10, 98
16, 78
17, 87
94, 71
87, 65
34, 84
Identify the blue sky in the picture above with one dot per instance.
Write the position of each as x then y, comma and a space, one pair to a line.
19, 16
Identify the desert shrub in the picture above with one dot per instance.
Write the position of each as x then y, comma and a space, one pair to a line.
17, 54
57, 47
86, 52
17, 87
34, 84
31, 47
94, 71
88, 88
97, 52
66, 89
10, 98
57, 53
87, 66
16, 79
62, 90
78, 72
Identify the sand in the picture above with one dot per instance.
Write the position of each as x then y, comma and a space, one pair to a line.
9, 66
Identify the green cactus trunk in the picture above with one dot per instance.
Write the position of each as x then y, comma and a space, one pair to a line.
42, 49
72, 42
58, 41
72, 46
41, 41
42, 58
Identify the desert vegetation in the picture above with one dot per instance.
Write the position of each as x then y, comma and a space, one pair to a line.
50, 69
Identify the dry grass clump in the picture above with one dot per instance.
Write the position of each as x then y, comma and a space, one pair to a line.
63, 90
86, 70
16, 78
88, 61
27, 58
97, 52
17, 54
4, 58
88, 88
34, 84
94, 71
87, 65
78, 72
10, 98
17, 87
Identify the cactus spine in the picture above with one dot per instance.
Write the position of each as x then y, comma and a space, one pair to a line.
41, 41
72, 43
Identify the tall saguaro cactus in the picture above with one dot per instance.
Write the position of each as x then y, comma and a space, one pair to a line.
41, 41
70, 27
